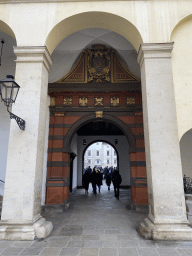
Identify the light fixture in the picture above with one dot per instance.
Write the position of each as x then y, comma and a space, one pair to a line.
8, 91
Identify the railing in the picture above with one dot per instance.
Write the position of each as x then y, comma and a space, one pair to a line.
187, 183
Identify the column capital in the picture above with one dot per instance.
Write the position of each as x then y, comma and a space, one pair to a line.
33, 54
154, 50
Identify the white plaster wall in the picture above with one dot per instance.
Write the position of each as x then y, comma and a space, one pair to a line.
74, 150
122, 149
45, 155
4, 141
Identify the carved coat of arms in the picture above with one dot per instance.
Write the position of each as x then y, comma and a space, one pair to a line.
99, 63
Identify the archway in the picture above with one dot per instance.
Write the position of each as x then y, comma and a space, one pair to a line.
93, 20
7, 68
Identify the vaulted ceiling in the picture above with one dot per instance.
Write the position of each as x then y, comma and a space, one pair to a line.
68, 51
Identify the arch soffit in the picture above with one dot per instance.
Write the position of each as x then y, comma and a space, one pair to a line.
4, 27
86, 20
181, 22
116, 121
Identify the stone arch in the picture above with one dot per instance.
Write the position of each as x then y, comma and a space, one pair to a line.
127, 131
182, 73
186, 153
93, 20
6, 29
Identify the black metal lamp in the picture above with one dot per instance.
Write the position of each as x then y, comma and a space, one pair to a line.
8, 91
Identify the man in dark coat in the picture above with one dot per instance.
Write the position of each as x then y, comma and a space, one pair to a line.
85, 181
93, 179
116, 178
108, 180
99, 179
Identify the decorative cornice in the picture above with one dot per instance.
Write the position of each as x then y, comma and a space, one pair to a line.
53, 1
33, 54
154, 51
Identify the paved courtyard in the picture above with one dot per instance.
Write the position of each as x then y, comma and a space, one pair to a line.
97, 225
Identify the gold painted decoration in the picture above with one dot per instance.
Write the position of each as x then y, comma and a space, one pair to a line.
83, 101
98, 63
114, 101
99, 113
130, 101
59, 114
78, 74
120, 73
52, 103
67, 101
99, 101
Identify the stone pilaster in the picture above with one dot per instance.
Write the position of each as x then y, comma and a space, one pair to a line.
21, 214
167, 217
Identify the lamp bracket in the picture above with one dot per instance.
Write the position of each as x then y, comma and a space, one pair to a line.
20, 121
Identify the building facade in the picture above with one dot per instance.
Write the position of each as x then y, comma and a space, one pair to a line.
69, 88
100, 154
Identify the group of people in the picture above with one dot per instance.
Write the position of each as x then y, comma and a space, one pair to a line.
95, 176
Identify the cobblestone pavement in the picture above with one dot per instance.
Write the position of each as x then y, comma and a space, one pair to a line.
95, 225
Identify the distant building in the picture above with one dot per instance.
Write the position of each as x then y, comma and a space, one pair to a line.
100, 154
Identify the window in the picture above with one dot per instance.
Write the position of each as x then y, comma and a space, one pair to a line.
97, 152
89, 152
89, 161
115, 153
98, 161
107, 161
115, 161
107, 153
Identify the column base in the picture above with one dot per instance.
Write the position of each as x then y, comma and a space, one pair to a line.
25, 231
149, 230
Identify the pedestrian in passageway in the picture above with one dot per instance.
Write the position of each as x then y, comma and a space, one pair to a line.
85, 181
99, 180
93, 179
116, 178
108, 180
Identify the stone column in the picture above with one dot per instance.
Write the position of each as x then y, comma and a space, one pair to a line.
21, 214
167, 212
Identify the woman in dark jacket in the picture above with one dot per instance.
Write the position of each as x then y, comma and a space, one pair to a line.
86, 180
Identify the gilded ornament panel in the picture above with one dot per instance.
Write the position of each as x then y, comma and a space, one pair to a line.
130, 101
67, 101
114, 101
99, 101
83, 101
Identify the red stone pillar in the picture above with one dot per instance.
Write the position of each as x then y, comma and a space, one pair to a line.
58, 162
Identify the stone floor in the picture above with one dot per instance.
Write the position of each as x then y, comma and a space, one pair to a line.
95, 225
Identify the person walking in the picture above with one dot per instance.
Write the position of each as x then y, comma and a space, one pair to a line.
108, 180
99, 180
93, 179
116, 178
85, 181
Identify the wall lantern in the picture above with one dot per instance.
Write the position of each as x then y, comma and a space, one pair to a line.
8, 91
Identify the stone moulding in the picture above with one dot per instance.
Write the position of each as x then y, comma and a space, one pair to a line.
25, 231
